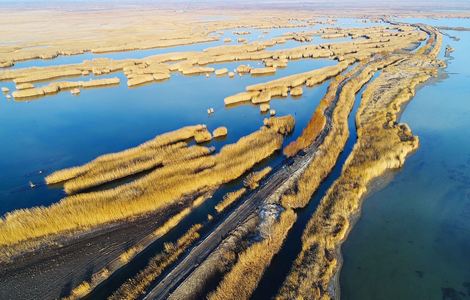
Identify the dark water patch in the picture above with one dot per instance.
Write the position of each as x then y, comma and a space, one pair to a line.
452, 294
466, 285
420, 274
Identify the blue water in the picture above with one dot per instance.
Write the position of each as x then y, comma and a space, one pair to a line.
412, 240
62, 130
58, 131
54, 132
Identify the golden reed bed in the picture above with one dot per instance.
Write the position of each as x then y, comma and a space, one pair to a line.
179, 176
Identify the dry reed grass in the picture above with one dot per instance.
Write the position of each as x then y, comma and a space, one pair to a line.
154, 191
382, 144
282, 125
334, 142
312, 77
134, 160
217, 264
80, 291
129, 254
252, 180
316, 123
229, 198
243, 278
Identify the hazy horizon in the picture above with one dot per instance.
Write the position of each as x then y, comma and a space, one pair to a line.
295, 4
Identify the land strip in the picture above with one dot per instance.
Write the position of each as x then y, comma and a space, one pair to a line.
382, 144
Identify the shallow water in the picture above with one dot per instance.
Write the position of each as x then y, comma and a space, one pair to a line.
63, 130
254, 35
54, 132
412, 240
58, 131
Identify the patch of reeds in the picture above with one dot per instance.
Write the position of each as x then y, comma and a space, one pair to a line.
217, 264
78, 292
128, 162
229, 198
252, 180
245, 275
434, 42
311, 77
282, 125
130, 253
154, 191
334, 142
317, 121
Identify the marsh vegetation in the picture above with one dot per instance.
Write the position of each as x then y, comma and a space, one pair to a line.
181, 175
172, 175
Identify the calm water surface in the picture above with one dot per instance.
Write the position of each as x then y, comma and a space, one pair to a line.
59, 131
54, 132
62, 130
412, 240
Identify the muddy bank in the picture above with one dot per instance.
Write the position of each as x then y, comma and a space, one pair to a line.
53, 271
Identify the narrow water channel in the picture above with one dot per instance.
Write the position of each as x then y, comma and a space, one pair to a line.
281, 264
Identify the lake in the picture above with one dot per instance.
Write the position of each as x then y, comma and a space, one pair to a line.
412, 240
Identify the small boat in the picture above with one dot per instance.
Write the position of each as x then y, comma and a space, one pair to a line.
32, 185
